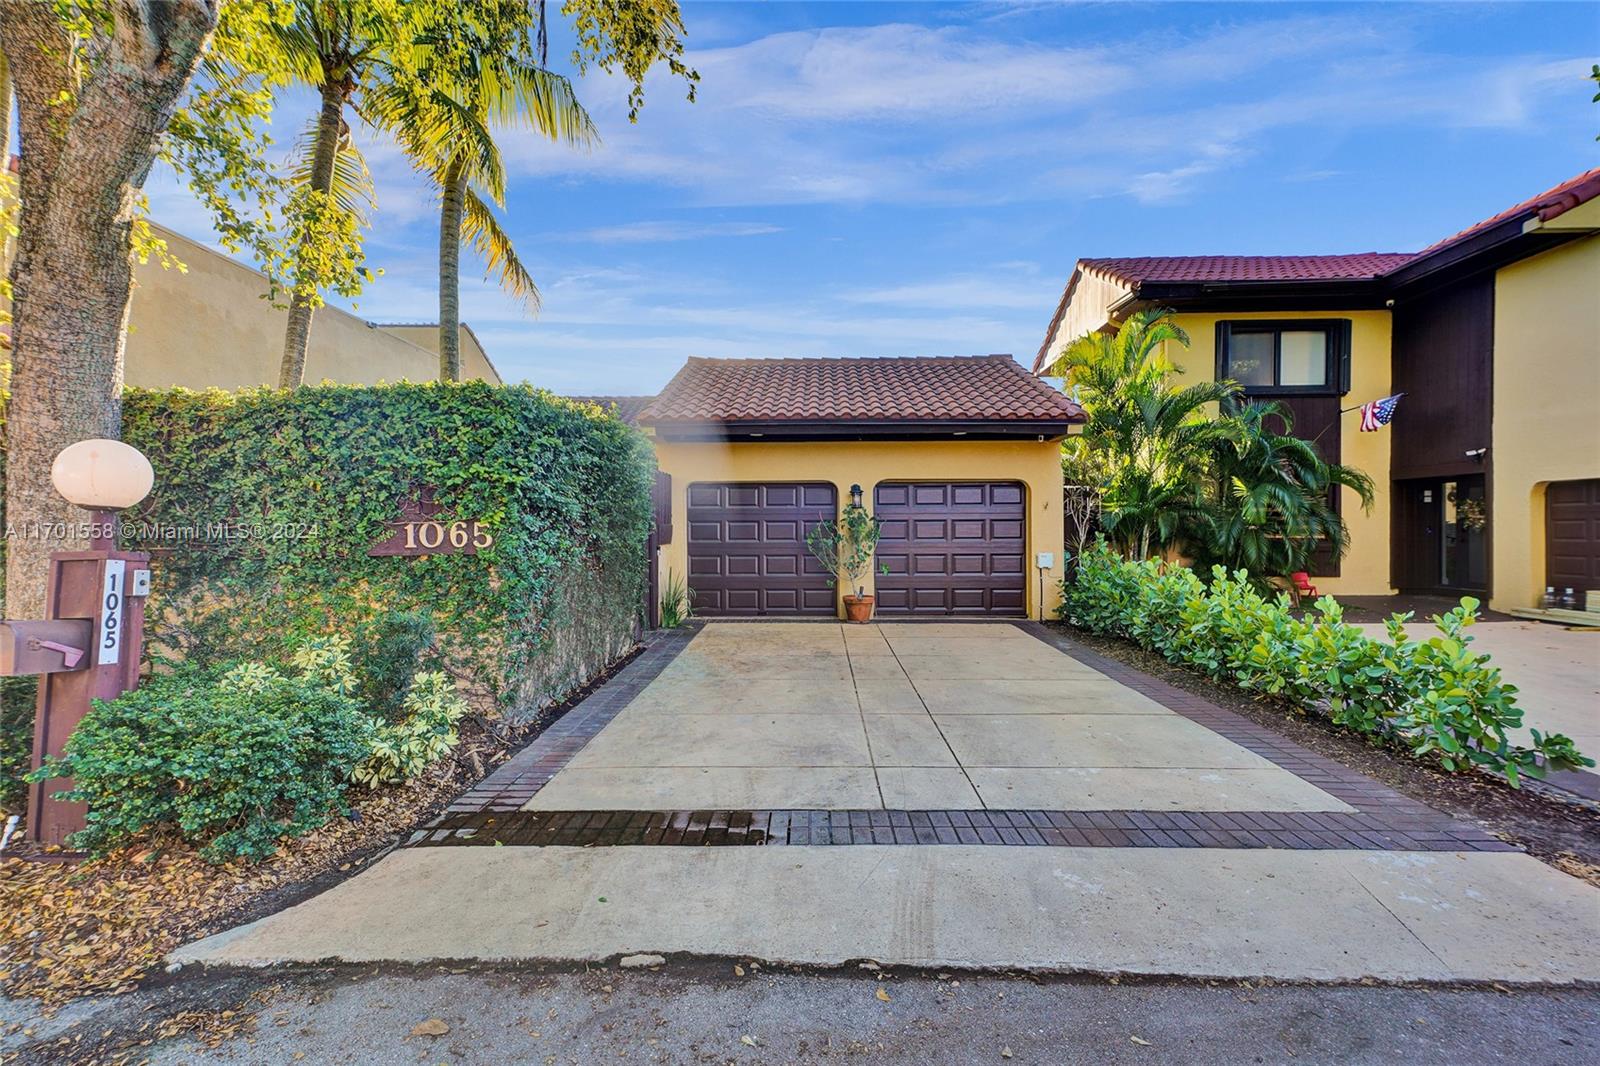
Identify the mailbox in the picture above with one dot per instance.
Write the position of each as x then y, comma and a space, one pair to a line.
44, 647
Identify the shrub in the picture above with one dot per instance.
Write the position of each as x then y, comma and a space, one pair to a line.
233, 762
400, 751
1435, 697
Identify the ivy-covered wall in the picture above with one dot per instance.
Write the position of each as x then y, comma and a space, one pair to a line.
266, 504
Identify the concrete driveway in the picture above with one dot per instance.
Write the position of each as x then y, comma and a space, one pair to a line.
941, 795
910, 716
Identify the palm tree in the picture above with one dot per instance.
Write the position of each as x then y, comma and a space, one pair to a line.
336, 47
477, 71
1149, 443
1269, 506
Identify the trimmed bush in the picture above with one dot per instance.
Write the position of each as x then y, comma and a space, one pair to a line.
1435, 697
266, 503
233, 762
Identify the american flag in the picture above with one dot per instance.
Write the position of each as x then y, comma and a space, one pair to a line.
1378, 413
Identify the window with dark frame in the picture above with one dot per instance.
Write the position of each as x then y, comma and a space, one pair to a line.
1295, 356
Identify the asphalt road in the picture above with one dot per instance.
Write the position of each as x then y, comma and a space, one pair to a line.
702, 1012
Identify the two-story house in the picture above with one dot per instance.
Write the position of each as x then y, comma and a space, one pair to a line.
1489, 473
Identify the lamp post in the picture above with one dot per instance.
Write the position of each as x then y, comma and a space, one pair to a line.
88, 645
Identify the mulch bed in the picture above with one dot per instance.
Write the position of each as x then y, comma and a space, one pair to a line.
1565, 834
103, 926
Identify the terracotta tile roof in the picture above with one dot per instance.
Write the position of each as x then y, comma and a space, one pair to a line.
1552, 203
1203, 268
628, 407
984, 388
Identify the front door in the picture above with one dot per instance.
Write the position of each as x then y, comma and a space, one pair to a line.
1441, 535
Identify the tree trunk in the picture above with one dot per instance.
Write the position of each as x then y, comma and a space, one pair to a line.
297, 338
453, 197
82, 161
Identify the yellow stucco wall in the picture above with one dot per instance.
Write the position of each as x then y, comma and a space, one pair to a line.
209, 326
843, 463
1365, 568
1546, 404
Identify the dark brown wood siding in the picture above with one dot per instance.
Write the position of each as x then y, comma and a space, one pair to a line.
1317, 419
1443, 352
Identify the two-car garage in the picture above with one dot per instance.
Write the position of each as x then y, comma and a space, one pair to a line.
947, 548
959, 459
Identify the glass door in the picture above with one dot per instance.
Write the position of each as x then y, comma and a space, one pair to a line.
1464, 521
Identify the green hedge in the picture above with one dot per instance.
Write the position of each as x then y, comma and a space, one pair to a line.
307, 480
1435, 697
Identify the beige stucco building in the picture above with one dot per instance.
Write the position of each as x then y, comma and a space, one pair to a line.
210, 324
1488, 476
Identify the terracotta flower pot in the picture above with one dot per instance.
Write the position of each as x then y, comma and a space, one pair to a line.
858, 608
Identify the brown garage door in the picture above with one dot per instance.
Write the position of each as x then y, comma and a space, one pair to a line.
747, 548
951, 548
1572, 536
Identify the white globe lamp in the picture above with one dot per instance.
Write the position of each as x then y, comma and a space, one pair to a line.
103, 476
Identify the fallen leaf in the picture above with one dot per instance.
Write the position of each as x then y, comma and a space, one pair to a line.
1141, 1043
1005, 1052
738, 971
748, 1040
431, 1027
881, 994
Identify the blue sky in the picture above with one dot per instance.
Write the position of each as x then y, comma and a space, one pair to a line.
917, 179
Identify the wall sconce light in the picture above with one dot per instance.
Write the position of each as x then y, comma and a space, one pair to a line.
855, 495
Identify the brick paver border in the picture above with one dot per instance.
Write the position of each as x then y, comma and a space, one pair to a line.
1383, 820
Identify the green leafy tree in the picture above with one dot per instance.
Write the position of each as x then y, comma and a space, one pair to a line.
845, 546
96, 86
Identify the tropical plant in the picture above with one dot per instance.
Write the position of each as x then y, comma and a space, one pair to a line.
1269, 502
677, 607
425, 732
1148, 442
845, 546
478, 68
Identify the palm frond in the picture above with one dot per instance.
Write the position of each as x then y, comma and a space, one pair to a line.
482, 231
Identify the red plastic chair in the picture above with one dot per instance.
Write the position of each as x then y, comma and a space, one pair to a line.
1302, 585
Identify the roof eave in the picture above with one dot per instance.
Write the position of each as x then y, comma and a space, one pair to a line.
852, 429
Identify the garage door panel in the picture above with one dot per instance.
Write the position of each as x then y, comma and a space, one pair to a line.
954, 548
747, 553
1006, 495
1572, 535
969, 495
969, 529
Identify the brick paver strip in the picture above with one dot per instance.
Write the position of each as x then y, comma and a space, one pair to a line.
1384, 820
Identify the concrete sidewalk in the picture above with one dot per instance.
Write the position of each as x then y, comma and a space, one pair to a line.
1328, 915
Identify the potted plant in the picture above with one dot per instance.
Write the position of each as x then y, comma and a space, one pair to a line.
844, 548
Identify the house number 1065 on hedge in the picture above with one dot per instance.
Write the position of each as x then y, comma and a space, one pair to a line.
433, 536
428, 536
